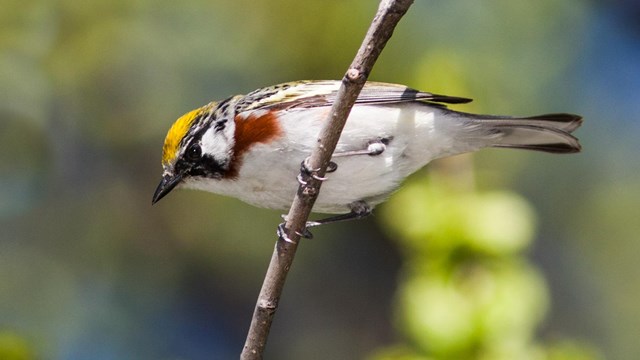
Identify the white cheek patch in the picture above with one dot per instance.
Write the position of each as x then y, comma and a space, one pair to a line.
217, 145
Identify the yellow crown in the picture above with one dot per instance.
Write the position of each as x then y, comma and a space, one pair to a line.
176, 133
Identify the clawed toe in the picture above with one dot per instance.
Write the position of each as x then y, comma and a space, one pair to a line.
306, 233
332, 167
282, 234
305, 169
301, 181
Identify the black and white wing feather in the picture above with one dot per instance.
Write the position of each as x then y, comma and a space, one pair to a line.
308, 94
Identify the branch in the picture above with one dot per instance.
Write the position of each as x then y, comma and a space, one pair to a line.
389, 14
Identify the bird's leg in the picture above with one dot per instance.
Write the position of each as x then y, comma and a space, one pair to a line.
374, 147
359, 210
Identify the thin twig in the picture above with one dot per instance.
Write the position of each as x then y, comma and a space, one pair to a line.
381, 29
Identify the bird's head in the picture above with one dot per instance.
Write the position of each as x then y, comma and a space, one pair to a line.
198, 147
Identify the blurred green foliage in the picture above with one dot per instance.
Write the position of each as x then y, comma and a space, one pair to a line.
89, 270
466, 291
14, 347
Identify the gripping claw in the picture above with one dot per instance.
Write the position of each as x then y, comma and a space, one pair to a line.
332, 167
359, 209
308, 171
301, 181
282, 234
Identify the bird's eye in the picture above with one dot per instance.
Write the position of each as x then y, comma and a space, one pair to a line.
193, 152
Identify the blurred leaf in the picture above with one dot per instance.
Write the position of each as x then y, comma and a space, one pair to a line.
14, 347
431, 218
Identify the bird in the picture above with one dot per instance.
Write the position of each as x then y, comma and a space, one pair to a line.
250, 146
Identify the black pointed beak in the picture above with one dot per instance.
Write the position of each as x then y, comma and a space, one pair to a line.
166, 185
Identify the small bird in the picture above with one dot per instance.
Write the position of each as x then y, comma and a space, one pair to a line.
250, 146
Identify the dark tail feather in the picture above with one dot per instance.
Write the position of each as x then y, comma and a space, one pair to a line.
549, 133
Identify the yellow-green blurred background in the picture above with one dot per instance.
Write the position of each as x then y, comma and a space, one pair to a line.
499, 255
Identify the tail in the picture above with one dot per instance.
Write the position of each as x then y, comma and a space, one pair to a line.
548, 133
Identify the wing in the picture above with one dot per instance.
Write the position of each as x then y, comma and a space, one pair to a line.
306, 94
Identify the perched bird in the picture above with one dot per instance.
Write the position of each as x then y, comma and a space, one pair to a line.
250, 147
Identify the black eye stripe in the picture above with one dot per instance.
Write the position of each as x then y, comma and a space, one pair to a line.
208, 167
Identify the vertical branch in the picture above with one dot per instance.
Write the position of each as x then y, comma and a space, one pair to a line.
387, 17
